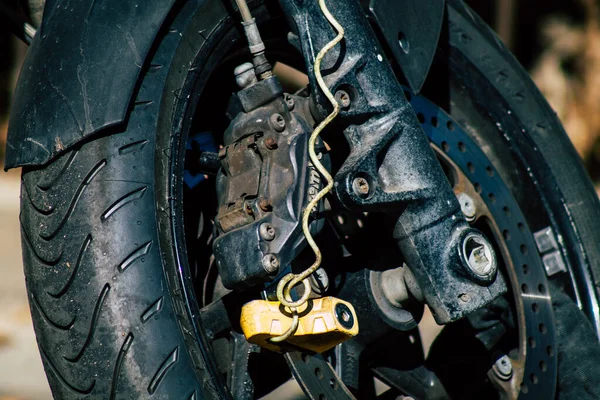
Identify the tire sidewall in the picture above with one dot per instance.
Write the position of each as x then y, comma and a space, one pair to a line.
541, 146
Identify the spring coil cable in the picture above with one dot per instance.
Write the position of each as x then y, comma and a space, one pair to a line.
288, 282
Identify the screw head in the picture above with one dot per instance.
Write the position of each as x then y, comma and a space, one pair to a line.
479, 256
271, 143
503, 367
361, 186
266, 231
343, 98
277, 122
270, 264
467, 206
289, 100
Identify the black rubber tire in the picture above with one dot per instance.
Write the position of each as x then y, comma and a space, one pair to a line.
101, 258
499, 85
489, 93
108, 317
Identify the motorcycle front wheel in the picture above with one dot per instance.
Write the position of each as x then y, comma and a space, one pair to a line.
116, 246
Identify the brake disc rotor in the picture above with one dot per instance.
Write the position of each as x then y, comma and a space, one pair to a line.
535, 368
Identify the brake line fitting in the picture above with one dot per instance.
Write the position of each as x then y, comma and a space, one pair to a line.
262, 68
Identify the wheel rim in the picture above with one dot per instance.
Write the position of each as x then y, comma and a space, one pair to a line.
319, 387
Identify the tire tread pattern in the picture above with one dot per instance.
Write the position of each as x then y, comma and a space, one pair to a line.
104, 328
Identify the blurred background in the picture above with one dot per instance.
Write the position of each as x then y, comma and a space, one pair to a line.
557, 41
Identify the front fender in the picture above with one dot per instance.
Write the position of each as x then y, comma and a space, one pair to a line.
411, 29
84, 62
79, 74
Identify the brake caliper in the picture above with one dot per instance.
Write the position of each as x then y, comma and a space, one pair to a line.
265, 182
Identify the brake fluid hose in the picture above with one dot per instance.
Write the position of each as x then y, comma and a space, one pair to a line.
288, 282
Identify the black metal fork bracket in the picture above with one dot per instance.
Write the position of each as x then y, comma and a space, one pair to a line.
264, 184
391, 166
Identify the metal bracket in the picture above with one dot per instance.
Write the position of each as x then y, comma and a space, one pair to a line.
391, 166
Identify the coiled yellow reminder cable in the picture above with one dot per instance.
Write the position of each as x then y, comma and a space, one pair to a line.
288, 282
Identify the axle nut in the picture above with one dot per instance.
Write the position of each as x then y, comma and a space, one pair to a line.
278, 122
479, 256
266, 231
270, 263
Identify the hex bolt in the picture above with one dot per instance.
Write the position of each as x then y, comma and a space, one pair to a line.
271, 143
289, 100
360, 186
503, 368
278, 122
467, 206
270, 263
479, 256
266, 231
343, 98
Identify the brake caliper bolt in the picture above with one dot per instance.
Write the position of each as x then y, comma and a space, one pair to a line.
289, 101
464, 297
361, 186
467, 206
264, 205
271, 143
479, 256
503, 367
278, 122
343, 98
270, 264
267, 231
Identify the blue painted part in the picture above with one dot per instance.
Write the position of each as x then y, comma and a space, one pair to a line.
205, 142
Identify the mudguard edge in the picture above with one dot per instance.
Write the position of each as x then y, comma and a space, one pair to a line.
84, 63
412, 32
79, 74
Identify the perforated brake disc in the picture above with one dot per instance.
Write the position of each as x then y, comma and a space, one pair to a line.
535, 366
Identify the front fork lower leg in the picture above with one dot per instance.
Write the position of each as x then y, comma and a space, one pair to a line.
391, 166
